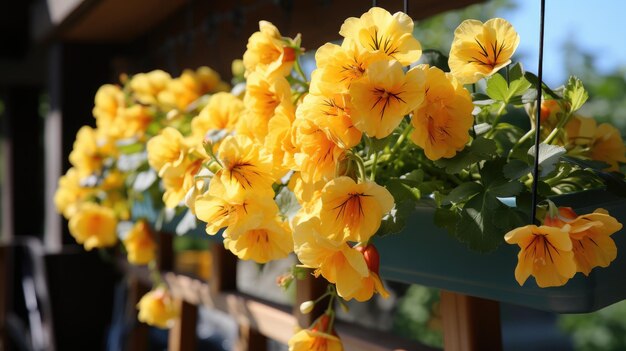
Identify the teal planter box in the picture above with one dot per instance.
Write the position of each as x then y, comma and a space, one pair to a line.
425, 254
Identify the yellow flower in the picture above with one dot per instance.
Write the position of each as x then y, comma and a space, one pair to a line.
353, 211
94, 226
109, 104
384, 96
267, 52
166, 150
608, 146
70, 194
86, 156
443, 120
187, 88
336, 261
480, 50
139, 244
246, 169
545, 252
372, 283
591, 237
263, 96
271, 240
309, 340
331, 112
132, 122
178, 181
278, 140
219, 213
147, 86
338, 66
221, 113
378, 31
158, 309
316, 155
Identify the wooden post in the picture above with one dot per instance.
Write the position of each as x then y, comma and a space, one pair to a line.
182, 335
224, 269
138, 335
309, 289
251, 340
470, 323
165, 255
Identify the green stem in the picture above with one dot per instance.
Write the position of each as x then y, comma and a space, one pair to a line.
155, 275
400, 140
496, 120
522, 140
300, 72
374, 164
559, 127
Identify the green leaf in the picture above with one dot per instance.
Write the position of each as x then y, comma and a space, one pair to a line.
534, 80
481, 222
380, 144
287, 203
509, 189
516, 71
462, 193
516, 169
435, 58
549, 155
497, 88
129, 147
447, 219
480, 149
491, 172
575, 93
403, 189
518, 87
395, 221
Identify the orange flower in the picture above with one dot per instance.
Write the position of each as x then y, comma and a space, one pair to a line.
591, 236
545, 253
443, 120
608, 146
353, 211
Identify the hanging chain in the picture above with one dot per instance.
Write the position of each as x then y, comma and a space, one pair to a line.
538, 115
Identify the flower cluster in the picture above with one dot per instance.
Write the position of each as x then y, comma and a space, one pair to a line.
325, 164
109, 170
565, 244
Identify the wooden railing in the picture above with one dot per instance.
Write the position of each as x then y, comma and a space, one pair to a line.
258, 320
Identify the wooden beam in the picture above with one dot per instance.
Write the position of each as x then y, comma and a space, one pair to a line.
182, 336
309, 289
470, 323
277, 322
224, 269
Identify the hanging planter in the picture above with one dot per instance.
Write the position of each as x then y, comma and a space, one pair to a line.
439, 260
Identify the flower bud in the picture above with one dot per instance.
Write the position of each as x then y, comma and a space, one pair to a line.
307, 306
371, 256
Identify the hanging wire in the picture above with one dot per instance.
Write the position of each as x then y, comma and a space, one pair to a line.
406, 6
374, 3
538, 115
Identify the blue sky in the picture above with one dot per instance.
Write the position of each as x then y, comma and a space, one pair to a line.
596, 26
